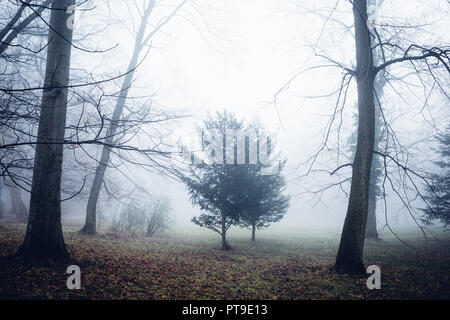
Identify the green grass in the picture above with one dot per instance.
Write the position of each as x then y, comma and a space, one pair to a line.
187, 264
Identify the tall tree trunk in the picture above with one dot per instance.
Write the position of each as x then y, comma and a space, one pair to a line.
44, 237
224, 233
91, 210
350, 255
2, 207
18, 208
371, 226
253, 231
379, 83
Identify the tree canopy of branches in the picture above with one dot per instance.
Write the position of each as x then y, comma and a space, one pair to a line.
382, 50
142, 40
350, 255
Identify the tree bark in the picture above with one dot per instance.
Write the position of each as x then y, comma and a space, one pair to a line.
2, 207
44, 238
350, 254
253, 231
371, 226
91, 210
224, 233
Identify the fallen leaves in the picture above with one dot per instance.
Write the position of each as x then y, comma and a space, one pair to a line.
141, 268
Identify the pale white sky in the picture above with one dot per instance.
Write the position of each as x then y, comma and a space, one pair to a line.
261, 45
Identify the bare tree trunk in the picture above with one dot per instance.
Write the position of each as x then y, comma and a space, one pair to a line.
18, 208
224, 233
371, 226
253, 231
350, 255
44, 237
2, 207
91, 210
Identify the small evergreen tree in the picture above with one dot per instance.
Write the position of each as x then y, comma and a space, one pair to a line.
265, 202
215, 187
231, 194
439, 190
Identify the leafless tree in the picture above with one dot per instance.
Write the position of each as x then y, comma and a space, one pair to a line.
44, 236
404, 63
159, 217
142, 40
20, 19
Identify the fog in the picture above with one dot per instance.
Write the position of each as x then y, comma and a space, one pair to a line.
224, 150
247, 57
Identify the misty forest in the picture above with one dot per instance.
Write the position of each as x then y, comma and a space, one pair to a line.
195, 149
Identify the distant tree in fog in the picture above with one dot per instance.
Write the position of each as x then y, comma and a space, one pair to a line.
18, 207
159, 218
148, 219
2, 205
143, 37
439, 190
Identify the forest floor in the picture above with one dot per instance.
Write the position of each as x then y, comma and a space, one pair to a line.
182, 266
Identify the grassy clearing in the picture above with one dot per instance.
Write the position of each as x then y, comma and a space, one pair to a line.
189, 266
